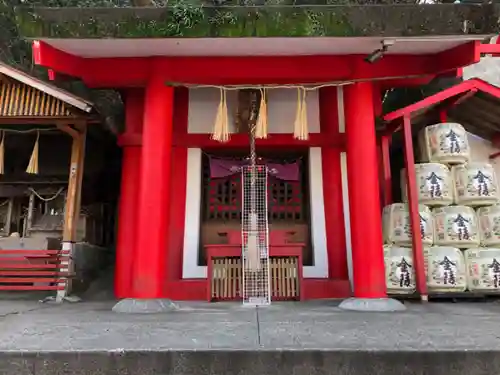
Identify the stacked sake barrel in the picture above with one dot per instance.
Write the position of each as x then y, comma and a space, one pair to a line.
458, 211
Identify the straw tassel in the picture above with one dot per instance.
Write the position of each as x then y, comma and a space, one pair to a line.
33, 164
2, 153
261, 129
221, 127
300, 129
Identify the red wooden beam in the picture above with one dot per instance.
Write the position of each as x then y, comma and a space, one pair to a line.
252, 70
464, 87
443, 109
377, 100
129, 72
392, 128
386, 170
494, 155
59, 61
273, 140
462, 98
462, 55
30, 287
392, 66
490, 49
51, 74
29, 252
405, 82
418, 252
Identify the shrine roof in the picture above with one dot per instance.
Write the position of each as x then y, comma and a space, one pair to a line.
17, 76
252, 47
26, 97
474, 103
198, 20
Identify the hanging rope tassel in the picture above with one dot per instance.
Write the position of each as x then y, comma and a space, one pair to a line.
261, 130
304, 134
33, 164
298, 112
221, 127
2, 153
300, 128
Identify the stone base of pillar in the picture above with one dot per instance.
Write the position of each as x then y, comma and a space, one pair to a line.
144, 306
372, 305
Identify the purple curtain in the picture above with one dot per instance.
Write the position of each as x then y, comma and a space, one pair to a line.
220, 168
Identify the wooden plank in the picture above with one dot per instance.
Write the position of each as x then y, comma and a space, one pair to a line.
34, 259
8, 218
29, 220
4, 266
47, 273
33, 252
30, 287
73, 196
17, 280
73, 201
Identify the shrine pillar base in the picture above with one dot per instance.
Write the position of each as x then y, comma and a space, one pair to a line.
144, 306
372, 305
369, 285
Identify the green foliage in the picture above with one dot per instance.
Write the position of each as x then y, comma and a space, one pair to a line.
12, 48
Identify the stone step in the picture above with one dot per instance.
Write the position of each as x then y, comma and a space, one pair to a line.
251, 362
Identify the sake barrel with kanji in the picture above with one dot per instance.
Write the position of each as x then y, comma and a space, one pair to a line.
446, 143
489, 225
399, 271
444, 269
475, 184
396, 225
456, 226
434, 184
483, 269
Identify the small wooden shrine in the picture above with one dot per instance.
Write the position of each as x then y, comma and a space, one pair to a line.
42, 151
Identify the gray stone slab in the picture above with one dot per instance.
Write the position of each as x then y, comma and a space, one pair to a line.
87, 326
201, 326
256, 362
144, 306
421, 327
372, 305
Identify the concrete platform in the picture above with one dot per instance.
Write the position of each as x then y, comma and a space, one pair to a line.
285, 338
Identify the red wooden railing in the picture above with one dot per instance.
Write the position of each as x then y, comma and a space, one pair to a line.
33, 269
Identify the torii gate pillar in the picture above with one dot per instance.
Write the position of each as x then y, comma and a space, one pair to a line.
364, 204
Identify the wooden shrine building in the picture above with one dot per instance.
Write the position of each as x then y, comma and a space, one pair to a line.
189, 95
40, 215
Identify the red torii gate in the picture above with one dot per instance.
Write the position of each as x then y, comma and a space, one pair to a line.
476, 95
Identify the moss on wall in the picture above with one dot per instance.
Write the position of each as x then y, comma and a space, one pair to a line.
184, 19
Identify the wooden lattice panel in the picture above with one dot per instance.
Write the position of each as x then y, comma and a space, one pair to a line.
284, 278
225, 283
285, 200
222, 199
226, 278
